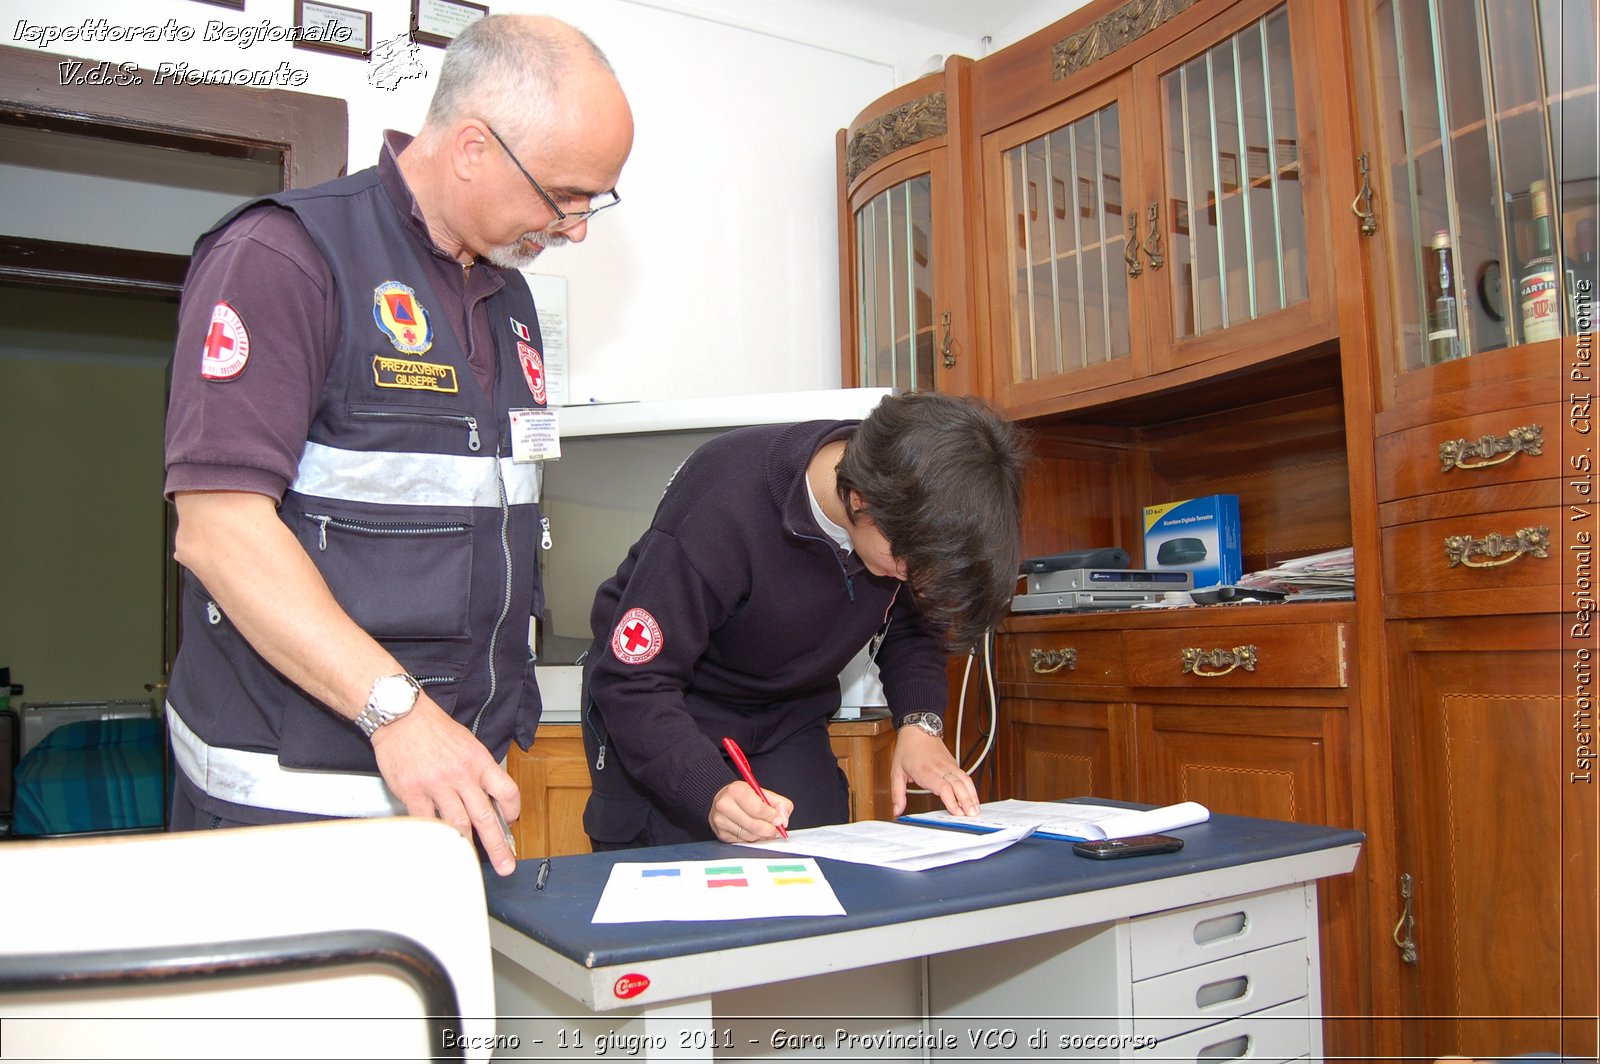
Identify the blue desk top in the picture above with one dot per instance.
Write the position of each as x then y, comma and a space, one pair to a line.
559, 916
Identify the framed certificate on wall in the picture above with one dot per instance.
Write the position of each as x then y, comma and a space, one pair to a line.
331, 28
437, 22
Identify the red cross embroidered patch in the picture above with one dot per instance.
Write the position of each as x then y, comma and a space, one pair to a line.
227, 347
637, 637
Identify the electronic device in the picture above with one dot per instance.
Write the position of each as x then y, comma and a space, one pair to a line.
1102, 557
1110, 580
1185, 550
1056, 601
1132, 846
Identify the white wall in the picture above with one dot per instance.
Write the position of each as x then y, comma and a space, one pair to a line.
719, 273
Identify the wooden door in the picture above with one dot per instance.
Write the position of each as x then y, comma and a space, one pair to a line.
1497, 835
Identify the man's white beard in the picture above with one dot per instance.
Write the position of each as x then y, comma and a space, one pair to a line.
524, 251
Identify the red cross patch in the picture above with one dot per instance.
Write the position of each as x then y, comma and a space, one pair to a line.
533, 370
227, 346
637, 637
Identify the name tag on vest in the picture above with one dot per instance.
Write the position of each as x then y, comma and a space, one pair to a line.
412, 375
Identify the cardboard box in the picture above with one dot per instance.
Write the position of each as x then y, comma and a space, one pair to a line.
1200, 536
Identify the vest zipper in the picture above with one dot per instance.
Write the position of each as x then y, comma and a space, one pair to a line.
473, 441
505, 607
380, 528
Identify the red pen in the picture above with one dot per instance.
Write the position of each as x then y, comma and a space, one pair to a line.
741, 763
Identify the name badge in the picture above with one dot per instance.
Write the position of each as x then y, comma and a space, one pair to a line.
535, 435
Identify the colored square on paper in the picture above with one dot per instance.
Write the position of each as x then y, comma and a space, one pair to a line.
716, 890
727, 882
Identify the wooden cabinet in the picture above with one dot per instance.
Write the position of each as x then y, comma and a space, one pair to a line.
902, 244
554, 780
1167, 209
1352, 327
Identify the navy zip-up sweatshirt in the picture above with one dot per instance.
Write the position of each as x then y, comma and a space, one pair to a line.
735, 604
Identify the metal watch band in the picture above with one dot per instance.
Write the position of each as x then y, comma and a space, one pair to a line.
374, 716
931, 723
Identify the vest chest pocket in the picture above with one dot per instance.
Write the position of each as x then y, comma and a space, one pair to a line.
396, 579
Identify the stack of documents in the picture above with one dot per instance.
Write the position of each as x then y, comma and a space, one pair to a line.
1070, 820
1330, 575
900, 846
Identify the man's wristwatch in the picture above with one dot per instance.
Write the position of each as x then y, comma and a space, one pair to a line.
931, 723
390, 699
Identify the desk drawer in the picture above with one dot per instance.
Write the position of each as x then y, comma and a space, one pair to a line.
1277, 1034
1474, 552
1499, 448
1061, 657
1280, 655
1170, 941
1187, 1000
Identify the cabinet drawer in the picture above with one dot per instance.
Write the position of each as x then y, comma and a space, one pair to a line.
1471, 452
1199, 934
1187, 1000
1474, 552
1277, 1034
1062, 657
1284, 655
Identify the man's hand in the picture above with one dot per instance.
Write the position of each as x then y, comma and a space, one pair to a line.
924, 761
440, 769
739, 815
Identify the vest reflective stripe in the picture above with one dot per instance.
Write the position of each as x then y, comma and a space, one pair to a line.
413, 478
245, 777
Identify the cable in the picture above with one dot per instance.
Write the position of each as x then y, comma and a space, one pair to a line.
961, 707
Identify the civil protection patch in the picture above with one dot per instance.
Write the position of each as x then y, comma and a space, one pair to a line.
402, 318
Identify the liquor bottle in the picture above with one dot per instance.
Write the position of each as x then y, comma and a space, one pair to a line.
1587, 274
1444, 337
1537, 287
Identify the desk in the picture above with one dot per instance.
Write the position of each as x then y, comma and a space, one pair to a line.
1213, 946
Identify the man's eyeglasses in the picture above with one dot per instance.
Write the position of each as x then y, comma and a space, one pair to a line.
564, 219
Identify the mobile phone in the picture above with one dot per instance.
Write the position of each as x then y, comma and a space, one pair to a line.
1132, 846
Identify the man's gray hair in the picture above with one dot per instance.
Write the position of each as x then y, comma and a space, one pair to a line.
508, 71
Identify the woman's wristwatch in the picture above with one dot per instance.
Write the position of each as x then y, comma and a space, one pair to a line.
931, 723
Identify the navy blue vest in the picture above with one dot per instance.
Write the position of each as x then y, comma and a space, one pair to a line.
406, 498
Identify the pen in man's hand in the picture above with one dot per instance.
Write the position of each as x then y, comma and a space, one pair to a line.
505, 829
544, 874
743, 765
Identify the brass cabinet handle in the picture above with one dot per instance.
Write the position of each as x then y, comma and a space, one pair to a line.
1361, 206
1154, 238
1047, 661
1496, 550
1408, 923
947, 342
1488, 450
1130, 248
1219, 662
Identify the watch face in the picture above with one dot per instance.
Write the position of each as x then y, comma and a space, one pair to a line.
393, 696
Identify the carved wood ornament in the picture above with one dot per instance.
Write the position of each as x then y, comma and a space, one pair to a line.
910, 123
1120, 28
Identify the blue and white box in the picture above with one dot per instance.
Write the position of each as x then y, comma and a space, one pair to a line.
1200, 536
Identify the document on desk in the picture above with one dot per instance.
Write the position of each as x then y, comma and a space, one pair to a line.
899, 846
736, 888
1070, 820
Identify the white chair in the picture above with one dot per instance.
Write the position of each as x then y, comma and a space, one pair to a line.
358, 939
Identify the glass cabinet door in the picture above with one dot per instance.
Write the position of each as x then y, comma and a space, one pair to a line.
1487, 131
1235, 214
1061, 247
895, 286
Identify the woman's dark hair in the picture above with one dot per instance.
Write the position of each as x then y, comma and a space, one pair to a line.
941, 476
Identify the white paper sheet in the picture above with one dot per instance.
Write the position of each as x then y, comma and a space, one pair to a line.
899, 846
738, 888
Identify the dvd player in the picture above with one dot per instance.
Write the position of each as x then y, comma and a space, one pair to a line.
1081, 600
1110, 580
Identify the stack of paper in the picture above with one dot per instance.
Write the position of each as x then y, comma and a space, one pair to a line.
1330, 575
1070, 820
901, 846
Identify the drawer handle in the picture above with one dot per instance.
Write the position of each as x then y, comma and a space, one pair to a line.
1046, 662
1235, 1048
1488, 450
1494, 549
1224, 991
1219, 662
